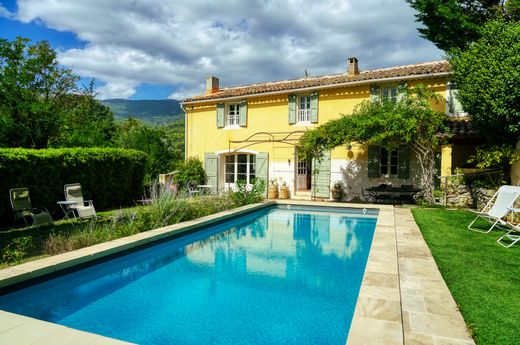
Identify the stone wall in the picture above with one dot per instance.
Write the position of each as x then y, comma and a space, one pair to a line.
469, 196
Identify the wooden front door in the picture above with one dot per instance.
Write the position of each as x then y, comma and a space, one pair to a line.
303, 176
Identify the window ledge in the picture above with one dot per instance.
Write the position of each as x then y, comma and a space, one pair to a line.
303, 124
232, 127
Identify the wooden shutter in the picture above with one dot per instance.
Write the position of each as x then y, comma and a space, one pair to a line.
262, 167
374, 161
321, 177
401, 92
220, 115
314, 107
375, 93
242, 121
404, 162
454, 105
292, 109
211, 168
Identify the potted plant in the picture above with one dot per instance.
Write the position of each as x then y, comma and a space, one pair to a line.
272, 191
337, 191
284, 191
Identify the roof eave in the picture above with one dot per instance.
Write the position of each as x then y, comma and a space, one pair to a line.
321, 87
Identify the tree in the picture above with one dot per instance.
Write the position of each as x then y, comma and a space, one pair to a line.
33, 93
87, 123
41, 104
487, 74
163, 144
456, 23
410, 121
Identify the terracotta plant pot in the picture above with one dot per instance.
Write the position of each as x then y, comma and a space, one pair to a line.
284, 192
272, 192
336, 194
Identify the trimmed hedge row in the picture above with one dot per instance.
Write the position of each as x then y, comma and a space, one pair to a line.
110, 177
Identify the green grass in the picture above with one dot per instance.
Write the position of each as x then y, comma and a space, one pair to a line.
483, 276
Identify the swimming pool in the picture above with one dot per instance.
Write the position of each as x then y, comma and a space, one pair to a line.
280, 275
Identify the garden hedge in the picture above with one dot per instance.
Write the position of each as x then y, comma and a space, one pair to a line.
110, 177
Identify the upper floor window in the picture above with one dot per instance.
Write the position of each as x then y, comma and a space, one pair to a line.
233, 115
390, 93
388, 164
304, 109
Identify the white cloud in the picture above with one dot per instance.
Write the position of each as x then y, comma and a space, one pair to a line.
4, 12
181, 42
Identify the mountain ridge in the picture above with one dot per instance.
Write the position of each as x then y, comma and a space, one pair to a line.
158, 111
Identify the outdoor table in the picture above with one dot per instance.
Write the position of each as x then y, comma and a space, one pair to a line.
205, 188
67, 208
392, 194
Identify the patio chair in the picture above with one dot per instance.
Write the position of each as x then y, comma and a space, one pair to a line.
81, 208
22, 208
193, 188
497, 208
513, 235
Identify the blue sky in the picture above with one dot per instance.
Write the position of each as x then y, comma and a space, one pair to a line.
156, 49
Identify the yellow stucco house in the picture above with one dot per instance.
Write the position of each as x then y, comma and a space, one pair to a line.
249, 132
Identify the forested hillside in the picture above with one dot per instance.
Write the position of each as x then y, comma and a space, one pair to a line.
151, 111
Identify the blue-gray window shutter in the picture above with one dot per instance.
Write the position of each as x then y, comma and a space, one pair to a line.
292, 109
262, 167
401, 92
403, 169
242, 111
211, 168
220, 115
374, 161
375, 93
314, 107
321, 177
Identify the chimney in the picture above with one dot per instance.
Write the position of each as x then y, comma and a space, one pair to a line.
211, 85
353, 66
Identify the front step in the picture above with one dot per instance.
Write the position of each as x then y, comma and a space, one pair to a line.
302, 196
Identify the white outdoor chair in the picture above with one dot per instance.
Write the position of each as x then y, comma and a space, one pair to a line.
497, 208
513, 235
193, 188
82, 208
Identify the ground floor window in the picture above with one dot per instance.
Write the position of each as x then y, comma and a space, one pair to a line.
389, 162
240, 167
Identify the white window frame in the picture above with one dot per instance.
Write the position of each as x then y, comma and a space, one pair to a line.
388, 164
233, 115
250, 168
304, 112
387, 93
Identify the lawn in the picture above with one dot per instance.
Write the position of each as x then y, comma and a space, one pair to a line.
483, 277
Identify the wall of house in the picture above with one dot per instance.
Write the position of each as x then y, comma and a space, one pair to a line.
270, 114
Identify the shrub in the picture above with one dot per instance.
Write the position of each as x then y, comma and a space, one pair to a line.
189, 170
17, 249
248, 194
110, 177
165, 209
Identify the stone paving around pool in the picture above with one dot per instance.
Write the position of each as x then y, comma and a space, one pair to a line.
403, 299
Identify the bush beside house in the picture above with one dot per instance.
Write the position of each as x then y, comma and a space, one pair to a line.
110, 177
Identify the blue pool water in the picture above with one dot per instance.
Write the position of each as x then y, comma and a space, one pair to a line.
273, 276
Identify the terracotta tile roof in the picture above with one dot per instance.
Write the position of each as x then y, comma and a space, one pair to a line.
460, 127
420, 69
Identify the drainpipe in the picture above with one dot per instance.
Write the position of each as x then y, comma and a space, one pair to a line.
185, 131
